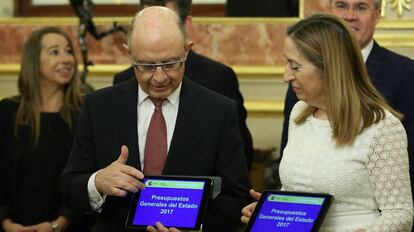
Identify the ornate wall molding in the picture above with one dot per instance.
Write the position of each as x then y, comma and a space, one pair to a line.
400, 6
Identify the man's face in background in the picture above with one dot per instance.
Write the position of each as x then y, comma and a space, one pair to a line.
361, 15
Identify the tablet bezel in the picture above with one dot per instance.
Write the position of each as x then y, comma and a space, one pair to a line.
202, 209
318, 222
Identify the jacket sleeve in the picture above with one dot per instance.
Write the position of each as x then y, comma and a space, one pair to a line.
235, 180
80, 165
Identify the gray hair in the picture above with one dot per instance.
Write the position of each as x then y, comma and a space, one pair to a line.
377, 4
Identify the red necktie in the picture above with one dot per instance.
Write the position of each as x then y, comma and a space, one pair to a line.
156, 143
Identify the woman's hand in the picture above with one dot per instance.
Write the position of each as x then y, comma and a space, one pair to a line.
61, 221
41, 227
9, 226
247, 211
161, 228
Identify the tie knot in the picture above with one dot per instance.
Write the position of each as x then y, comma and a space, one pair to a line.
157, 102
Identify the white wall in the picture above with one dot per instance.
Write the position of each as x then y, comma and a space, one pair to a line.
6, 8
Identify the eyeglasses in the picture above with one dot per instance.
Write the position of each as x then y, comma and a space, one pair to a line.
166, 66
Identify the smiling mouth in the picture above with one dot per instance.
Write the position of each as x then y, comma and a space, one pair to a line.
64, 71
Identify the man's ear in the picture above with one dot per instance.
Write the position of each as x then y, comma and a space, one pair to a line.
188, 25
125, 47
378, 14
188, 46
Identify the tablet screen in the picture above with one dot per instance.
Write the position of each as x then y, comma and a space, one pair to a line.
289, 211
174, 201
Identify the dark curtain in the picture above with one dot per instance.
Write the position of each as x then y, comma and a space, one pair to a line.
262, 8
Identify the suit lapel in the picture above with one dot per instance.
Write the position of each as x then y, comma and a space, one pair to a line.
374, 62
127, 117
188, 114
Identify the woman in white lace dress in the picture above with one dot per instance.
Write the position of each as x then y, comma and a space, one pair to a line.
344, 139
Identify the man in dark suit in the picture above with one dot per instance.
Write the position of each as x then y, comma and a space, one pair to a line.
391, 73
204, 71
201, 136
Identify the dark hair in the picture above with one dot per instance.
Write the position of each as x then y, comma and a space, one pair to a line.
183, 6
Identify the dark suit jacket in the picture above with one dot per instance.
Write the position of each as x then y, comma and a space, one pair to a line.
393, 76
206, 141
262, 8
217, 77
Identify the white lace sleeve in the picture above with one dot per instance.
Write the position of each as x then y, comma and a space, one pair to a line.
389, 177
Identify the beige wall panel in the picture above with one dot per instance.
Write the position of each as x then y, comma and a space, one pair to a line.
266, 131
269, 89
265, 128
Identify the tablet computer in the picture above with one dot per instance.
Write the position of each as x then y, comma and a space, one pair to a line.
289, 211
175, 201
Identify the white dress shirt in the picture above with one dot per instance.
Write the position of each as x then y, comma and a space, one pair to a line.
367, 50
145, 108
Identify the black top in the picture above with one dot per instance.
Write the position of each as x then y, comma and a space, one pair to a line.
29, 181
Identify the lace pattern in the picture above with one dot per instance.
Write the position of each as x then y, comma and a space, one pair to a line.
370, 175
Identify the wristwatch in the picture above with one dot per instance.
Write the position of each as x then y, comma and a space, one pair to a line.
55, 226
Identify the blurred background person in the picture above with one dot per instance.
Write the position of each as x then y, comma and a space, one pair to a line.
344, 139
204, 71
36, 133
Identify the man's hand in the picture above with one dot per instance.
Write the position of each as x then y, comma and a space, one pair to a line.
161, 228
247, 211
118, 179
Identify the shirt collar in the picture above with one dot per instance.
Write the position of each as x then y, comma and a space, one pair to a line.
367, 50
174, 98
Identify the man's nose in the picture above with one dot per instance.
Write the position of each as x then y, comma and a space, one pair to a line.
349, 14
66, 58
159, 74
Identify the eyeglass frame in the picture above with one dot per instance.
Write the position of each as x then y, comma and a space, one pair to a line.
136, 65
